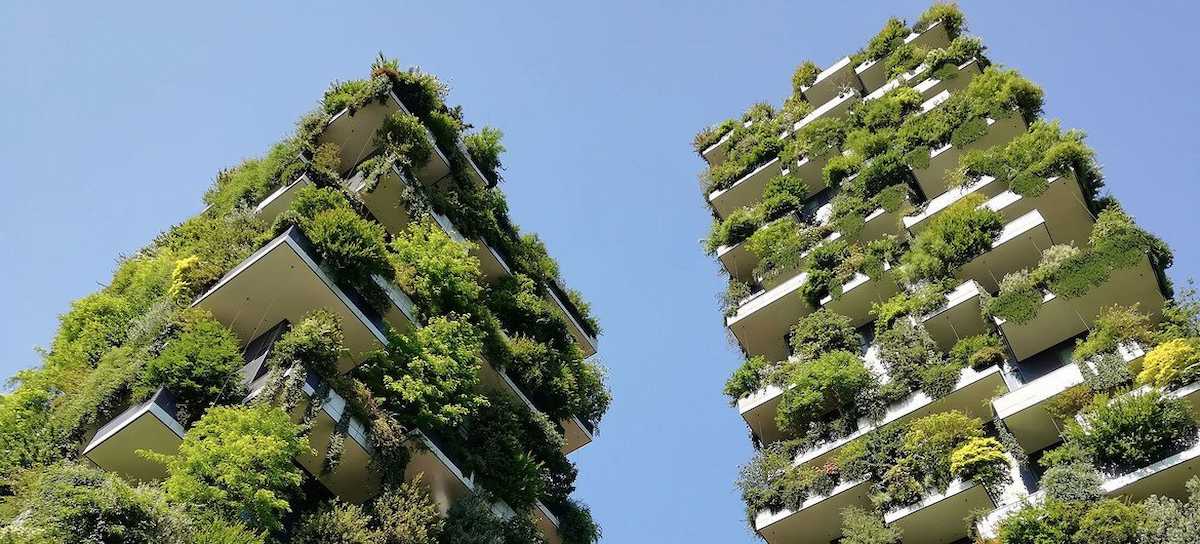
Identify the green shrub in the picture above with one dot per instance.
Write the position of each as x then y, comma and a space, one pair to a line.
920, 300
214, 530
907, 352
407, 514
575, 524
834, 381
816, 139
749, 147
1036, 524
1072, 482
1018, 299
1024, 163
781, 246
1110, 522
485, 148
95, 324
929, 442
888, 110
1114, 326
948, 14
429, 375
438, 272
713, 134
472, 521
71, 503
804, 76
335, 523
978, 352
1134, 430
517, 454
960, 233
315, 343
821, 332
738, 226
198, 364
860, 526
981, 459
1172, 363
748, 378
402, 134
238, 462
884, 42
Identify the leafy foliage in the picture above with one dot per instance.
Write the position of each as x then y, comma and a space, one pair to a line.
237, 461
960, 233
198, 363
1134, 430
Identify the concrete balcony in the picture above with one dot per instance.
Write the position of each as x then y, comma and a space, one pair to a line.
969, 396
838, 105
717, 153
940, 518
857, 295
817, 521
354, 133
928, 86
1023, 410
1166, 477
1018, 246
583, 339
959, 317
873, 73
151, 425
748, 190
942, 160
1059, 318
283, 281
762, 320
831, 82
1057, 216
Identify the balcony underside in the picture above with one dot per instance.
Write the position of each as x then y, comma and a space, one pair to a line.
282, 281
831, 81
959, 318
150, 426
818, 521
354, 134
943, 518
761, 323
1059, 318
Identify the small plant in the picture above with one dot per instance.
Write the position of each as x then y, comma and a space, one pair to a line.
198, 364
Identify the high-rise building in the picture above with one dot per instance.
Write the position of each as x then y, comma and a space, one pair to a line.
364, 278
943, 317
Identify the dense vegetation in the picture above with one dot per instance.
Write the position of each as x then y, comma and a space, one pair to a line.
235, 478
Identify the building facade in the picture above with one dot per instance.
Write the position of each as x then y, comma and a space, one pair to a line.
943, 317
370, 285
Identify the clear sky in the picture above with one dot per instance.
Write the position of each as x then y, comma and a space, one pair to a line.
118, 117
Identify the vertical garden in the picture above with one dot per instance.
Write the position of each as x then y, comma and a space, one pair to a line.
486, 374
938, 305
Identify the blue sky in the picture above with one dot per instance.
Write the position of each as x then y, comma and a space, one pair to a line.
118, 117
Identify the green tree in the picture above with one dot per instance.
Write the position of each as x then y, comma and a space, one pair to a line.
238, 461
